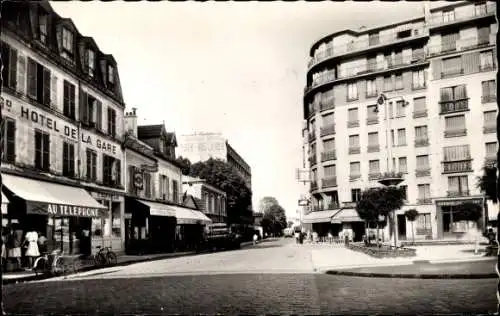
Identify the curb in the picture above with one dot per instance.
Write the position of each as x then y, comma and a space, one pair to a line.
413, 276
120, 264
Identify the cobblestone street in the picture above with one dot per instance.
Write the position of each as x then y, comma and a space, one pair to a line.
273, 277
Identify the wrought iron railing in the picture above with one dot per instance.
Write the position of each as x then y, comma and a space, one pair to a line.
327, 130
457, 166
328, 155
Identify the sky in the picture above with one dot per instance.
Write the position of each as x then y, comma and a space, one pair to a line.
235, 68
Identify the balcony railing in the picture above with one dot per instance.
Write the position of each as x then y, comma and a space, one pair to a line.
419, 113
353, 46
328, 104
314, 186
457, 166
313, 160
488, 98
421, 142
460, 45
423, 172
457, 132
351, 124
488, 129
374, 175
459, 105
487, 67
452, 72
373, 148
372, 120
329, 182
327, 130
490, 9
354, 177
456, 193
354, 150
424, 201
328, 155
312, 136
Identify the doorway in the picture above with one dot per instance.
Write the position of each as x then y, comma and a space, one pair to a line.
402, 227
446, 223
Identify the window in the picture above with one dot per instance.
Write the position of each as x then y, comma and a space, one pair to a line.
67, 40
393, 140
42, 150
355, 195
42, 27
111, 74
329, 171
374, 166
91, 165
483, 35
404, 188
372, 112
90, 111
480, 8
373, 39
398, 57
418, 79
490, 118
352, 91
399, 81
328, 119
452, 66
111, 122
9, 141
329, 145
116, 225
423, 162
489, 91
402, 165
146, 178
491, 149
400, 108
424, 192
373, 139
371, 64
371, 88
449, 41
111, 171
486, 60
458, 185
423, 225
354, 141
419, 105
90, 62
69, 100
68, 160
417, 53
388, 83
355, 169
401, 137
175, 191
454, 93
38, 82
352, 115
455, 125
421, 137
456, 153
9, 66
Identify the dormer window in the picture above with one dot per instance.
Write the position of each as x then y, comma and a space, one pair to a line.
67, 43
90, 62
42, 27
111, 75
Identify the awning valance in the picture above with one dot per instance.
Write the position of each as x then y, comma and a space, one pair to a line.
347, 215
48, 198
189, 216
319, 217
158, 209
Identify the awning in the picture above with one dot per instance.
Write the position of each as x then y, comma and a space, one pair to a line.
319, 217
5, 201
458, 200
188, 216
347, 215
158, 209
48, 198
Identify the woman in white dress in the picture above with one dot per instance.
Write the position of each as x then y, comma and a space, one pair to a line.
32, 251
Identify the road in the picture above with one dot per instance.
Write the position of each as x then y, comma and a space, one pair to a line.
272, 278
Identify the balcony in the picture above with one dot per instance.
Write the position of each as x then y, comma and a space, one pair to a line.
312, 136
459, 45
372, 120
314, 185
313, 160
328, 129
328, 104
328, 155
423, 172
420, 113
351, 124
329, 182
488, 98
374, 175
354, 150
391, 178
487, 67
354, 177
471, 14
490, 128
369, 44
373, 148
422, 142
459, 105
457, 166
455, 132
457, 193
452, 72
424, 201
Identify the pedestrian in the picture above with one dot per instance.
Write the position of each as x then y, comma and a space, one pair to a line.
32, 252
42, 243
14, 244
255, 237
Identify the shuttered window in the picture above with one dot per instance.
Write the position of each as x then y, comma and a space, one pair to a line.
9, 64
455, 123
449, 41
42, 151
9, 141
91, 165
69, 100
68, 159
39, 80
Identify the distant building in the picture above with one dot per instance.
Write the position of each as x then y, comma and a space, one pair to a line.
206, 198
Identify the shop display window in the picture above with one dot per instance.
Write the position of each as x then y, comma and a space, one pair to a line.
116, 220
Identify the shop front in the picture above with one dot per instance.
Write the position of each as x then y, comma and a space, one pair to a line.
321, 223
448, 226
62, 213
190, 227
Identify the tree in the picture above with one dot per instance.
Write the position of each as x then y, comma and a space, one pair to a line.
274, 218
487, 183
412, 215
266, 202
184, 164
223, 176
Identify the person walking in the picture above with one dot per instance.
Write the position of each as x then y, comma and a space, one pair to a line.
14, 244
255, 238
32, 251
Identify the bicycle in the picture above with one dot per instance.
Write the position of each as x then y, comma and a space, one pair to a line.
53, 263
105, 257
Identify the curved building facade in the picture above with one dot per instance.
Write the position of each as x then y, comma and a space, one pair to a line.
437, 73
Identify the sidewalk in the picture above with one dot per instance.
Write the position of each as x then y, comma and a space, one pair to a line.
423, 270
123, 260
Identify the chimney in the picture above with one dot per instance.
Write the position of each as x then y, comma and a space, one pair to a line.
131, 122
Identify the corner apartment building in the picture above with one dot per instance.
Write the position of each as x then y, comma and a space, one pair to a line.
202, 146
207, 198
437, 127
62, 109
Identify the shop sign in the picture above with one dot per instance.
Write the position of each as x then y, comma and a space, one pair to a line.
59, 126
138, 180
105, 196
64, 210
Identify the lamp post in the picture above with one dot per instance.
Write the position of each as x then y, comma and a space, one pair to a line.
390, 178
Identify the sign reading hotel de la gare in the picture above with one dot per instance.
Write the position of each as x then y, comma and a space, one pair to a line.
52, 123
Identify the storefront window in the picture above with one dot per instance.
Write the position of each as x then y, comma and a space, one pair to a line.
116, 220
96, 227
